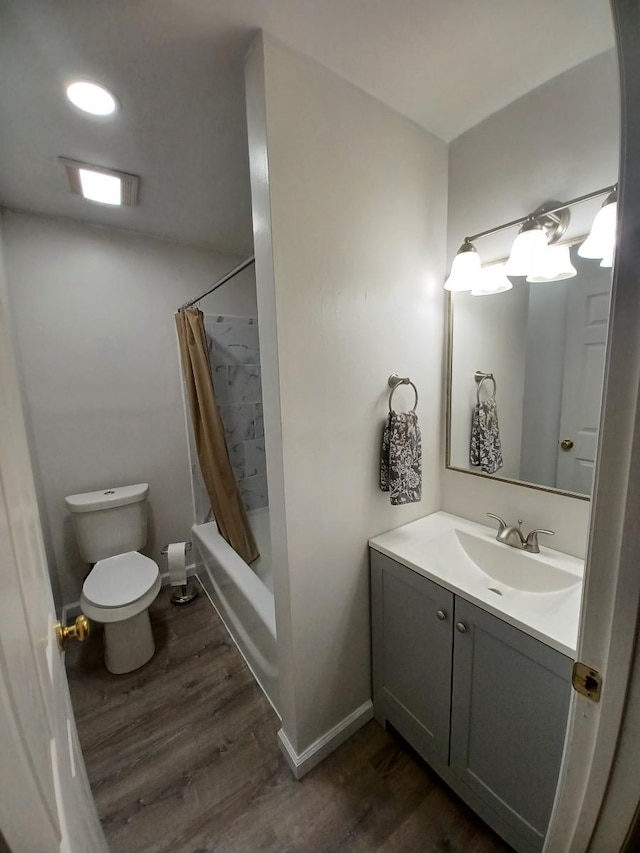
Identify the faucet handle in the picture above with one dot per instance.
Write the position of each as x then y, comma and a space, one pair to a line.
503, 523
531, 542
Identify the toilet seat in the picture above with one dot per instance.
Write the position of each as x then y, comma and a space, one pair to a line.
120, 587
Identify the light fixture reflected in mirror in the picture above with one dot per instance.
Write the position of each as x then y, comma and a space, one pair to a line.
555, 265
493, 280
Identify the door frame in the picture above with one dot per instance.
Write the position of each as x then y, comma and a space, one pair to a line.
600, 776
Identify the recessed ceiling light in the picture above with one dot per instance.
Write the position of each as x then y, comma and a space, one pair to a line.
91, 98
106, 186
97, 186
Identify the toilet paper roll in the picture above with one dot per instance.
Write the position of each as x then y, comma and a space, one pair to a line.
176, 558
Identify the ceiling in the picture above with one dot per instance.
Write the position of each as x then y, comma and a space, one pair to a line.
177, 68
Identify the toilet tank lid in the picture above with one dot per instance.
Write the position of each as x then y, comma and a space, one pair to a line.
107, 498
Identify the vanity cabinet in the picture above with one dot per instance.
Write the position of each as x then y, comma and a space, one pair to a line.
482, 702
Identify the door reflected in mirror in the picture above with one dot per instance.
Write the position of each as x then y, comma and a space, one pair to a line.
545, 345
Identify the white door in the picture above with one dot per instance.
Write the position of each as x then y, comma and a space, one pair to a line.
588, 300
46, 803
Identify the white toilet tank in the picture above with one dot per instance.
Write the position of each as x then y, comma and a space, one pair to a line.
109, 522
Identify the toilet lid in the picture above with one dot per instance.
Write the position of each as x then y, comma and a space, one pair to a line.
120, 580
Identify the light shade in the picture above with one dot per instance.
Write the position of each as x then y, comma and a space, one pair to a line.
601, 241
91, 98
493, 280
607, 261
554, 265
466, 269
527, 251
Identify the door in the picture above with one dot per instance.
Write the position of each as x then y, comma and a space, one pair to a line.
412, 655
585, 347
46, 802
508, 720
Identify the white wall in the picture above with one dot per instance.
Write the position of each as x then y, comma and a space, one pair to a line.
560, 141
93, 318
349, 211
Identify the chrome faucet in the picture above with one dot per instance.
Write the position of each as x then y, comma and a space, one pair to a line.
511, 535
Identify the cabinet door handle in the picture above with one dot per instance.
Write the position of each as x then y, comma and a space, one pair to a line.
461, 627
441, 615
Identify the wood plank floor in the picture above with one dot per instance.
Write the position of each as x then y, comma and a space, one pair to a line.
182, 758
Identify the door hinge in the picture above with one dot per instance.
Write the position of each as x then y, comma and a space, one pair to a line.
586, 681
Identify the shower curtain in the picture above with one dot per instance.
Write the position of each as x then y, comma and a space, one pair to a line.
209, 435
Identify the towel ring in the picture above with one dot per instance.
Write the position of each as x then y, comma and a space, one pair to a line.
394, 381
481, 378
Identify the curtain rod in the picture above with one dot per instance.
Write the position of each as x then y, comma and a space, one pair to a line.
524, 219
220, 282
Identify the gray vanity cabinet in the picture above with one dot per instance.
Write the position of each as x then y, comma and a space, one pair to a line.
509, 712
484, 703
413, 653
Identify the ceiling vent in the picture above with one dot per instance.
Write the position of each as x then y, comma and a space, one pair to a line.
100, 185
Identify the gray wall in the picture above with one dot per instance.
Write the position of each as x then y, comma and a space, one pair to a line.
93, 320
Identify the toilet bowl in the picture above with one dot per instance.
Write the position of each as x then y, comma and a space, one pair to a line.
117, 592
110, 527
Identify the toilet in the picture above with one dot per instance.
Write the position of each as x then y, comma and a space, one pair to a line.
110, 527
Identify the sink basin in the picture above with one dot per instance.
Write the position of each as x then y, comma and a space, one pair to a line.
513, 568
539, 594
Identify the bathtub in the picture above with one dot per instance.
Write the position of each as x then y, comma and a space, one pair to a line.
243, 596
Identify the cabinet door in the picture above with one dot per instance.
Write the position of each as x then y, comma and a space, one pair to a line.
412, 656
509, 713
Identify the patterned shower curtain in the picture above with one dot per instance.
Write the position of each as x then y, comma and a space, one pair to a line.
210, 441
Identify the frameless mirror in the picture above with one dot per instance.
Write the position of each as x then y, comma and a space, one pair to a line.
544, 344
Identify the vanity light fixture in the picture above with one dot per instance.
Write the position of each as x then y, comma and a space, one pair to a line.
533, 254
601, 240
466, 269
91, 98
97, 184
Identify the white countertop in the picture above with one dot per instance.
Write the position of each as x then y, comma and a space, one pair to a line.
428, 546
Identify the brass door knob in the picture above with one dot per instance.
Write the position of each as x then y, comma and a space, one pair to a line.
566, 444
79, 631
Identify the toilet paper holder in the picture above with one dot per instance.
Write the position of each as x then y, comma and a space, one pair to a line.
185, 592
165, 550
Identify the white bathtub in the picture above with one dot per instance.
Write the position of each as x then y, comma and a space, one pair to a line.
243, 596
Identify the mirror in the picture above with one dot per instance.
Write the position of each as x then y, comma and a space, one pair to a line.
545, 344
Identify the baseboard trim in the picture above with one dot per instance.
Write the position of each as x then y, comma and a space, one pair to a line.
73, 609
301, 764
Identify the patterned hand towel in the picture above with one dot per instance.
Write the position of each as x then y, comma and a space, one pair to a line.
401, 458
485, 449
